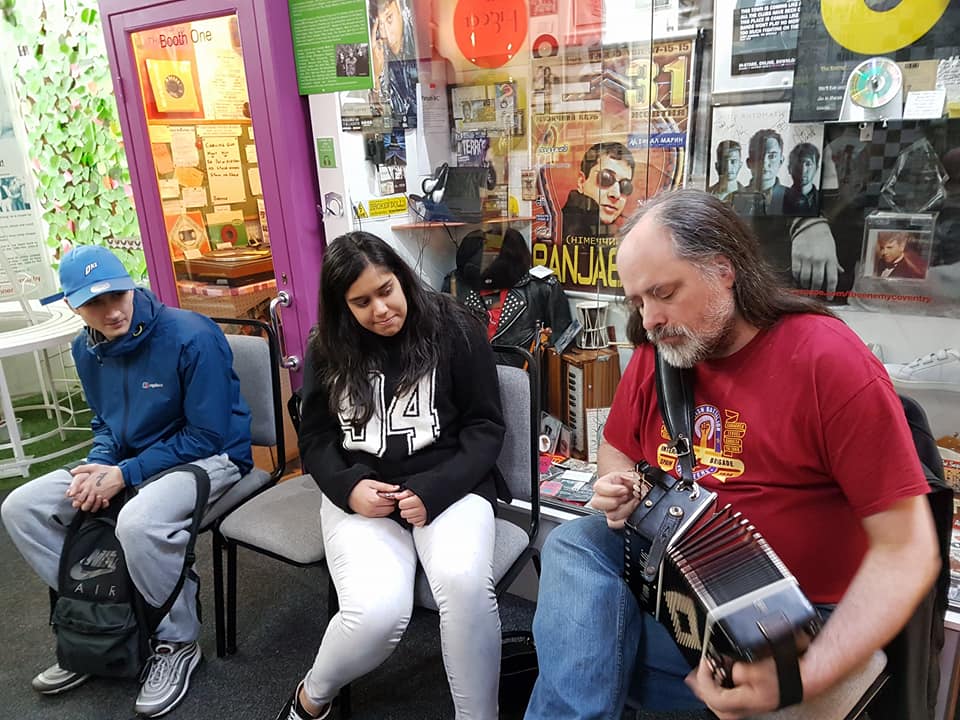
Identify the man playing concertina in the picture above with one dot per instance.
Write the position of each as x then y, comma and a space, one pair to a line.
808, 403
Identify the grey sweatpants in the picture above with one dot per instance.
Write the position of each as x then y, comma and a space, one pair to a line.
153, 528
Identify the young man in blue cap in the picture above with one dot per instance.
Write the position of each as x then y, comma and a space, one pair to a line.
160, 385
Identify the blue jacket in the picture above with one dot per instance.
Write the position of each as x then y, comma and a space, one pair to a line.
164, 394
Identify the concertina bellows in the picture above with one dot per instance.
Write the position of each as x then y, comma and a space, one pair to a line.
707, 574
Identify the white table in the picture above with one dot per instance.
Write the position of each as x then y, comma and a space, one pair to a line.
52, 327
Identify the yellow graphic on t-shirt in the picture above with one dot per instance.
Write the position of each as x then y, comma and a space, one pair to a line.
715, 440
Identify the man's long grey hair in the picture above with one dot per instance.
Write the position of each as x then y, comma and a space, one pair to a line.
702, 228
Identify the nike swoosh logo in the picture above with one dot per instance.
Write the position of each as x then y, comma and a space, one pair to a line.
79, 573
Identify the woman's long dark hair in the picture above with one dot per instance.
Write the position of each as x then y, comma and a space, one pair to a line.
703, 227
345, 353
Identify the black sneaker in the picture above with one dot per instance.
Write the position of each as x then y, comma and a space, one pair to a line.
55, 680
168, 677
293, 710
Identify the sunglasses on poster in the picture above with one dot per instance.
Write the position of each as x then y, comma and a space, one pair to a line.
607, 178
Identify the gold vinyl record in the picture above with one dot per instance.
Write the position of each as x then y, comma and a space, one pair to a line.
874, 82
860, 28
172, 85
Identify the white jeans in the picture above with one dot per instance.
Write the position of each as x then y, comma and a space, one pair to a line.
373, 562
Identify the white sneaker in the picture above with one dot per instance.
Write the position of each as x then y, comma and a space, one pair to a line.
55, 680
939, 370
168, 677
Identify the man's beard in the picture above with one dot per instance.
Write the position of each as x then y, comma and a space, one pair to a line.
715, 337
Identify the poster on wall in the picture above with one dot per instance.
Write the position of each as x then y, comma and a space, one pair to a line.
838, 36
223, 81
755, 44
540, 8
24, 264
331, 45
626, 140
769, 170
393, 60
761, 163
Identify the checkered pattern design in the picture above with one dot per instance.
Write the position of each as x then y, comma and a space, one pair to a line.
885, 147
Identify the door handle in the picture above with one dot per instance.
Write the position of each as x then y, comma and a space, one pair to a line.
283, 299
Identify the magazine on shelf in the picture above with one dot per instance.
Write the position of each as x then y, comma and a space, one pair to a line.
570, 482
953, 594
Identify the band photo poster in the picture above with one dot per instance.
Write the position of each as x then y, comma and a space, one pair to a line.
755, 44
846, 47
622, 137
761, 163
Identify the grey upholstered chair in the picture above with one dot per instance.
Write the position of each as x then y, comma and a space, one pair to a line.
284, 521
844, 701
256, 360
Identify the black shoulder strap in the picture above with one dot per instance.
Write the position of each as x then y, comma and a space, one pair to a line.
675, 398
155, 615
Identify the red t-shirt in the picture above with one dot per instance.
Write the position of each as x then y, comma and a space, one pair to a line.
800, 430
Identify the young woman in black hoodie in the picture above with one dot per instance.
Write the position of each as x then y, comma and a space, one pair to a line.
401, 430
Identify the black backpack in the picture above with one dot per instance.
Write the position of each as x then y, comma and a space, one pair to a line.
102, 623
913, 655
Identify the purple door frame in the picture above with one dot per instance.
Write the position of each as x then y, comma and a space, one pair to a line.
291, 192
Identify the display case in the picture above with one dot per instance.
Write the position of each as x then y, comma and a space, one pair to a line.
220, 156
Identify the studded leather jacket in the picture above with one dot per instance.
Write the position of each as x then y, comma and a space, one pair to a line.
530, 300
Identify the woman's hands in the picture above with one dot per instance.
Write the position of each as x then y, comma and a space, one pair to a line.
411, 508
372, 498
375, 499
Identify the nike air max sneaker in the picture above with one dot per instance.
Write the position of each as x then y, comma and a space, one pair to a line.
168, 677
55, 680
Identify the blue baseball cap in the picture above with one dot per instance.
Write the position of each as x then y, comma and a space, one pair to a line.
91, 270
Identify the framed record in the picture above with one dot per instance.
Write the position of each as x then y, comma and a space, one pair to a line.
837, 36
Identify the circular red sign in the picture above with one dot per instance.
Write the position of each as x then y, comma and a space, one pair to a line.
490, 32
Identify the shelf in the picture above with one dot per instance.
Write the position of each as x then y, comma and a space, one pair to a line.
415, 226
489, 221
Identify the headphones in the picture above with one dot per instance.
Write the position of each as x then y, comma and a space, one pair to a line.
433, 187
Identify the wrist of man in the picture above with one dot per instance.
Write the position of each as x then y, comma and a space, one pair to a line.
799, 224
130, 471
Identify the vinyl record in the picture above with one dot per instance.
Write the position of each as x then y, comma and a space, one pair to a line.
860, 28
228, 234
545, 46
874, 82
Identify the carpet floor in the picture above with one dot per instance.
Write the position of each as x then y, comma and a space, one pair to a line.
281, 617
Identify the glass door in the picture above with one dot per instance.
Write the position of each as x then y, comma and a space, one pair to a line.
192, 85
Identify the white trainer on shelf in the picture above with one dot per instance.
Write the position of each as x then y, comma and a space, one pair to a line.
939, 370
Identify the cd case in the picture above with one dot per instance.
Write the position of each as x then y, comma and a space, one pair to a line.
897, 246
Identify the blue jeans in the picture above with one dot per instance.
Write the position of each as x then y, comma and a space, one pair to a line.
594, 646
